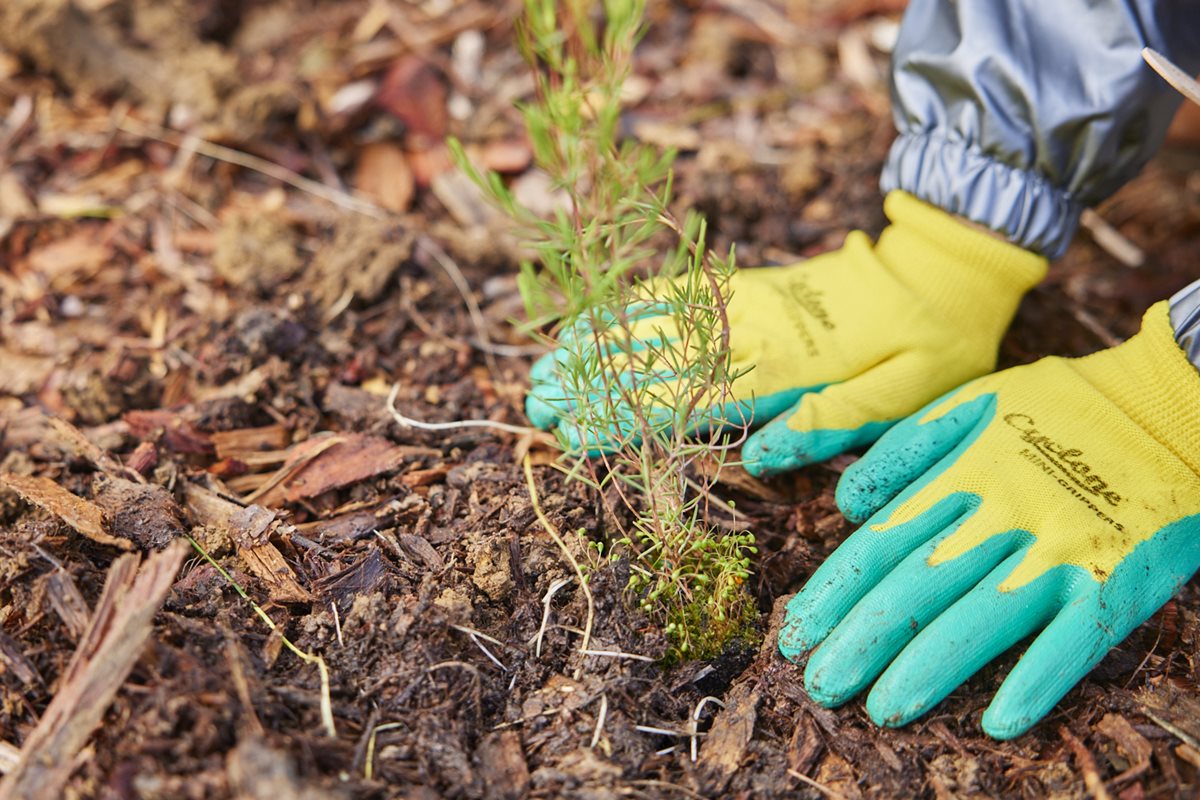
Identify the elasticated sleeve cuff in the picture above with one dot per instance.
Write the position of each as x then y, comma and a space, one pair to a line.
1017, 114
956, 177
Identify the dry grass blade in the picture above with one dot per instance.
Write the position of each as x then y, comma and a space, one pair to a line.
308, 658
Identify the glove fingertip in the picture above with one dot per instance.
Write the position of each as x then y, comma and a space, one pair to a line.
1003, 725
762, 457
829, 693
858, 499
540, 413
803, 628
545, 369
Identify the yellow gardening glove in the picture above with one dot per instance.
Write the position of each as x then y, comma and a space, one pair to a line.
1060, 497
834, 349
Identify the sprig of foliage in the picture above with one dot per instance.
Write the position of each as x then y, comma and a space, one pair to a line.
627, 289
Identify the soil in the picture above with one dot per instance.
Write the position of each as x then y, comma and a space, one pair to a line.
227, 228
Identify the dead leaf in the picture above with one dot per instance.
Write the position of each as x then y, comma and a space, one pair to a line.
383, 175
324, 463
414, 93
66, 262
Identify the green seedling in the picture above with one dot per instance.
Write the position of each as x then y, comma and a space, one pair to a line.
613, 244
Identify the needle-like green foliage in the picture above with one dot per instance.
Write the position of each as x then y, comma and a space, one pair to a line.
609, 256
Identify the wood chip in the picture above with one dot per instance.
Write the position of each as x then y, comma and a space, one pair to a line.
1086, 764
102, 661
246, 443
67, 601
249, 528
10, 756
84, 516
16, 662
1129, 742
727, 741
171, 428
384, 176
502, 765
1173, 711
421, 550
76, 442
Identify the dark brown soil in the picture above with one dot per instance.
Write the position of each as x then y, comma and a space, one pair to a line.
214, 276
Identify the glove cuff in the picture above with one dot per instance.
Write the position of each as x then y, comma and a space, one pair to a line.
970, 277
1150, 378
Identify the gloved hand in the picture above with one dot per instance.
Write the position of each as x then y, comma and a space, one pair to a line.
1060, 497
843, 345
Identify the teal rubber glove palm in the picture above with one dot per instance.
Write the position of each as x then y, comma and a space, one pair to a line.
1060, 497
832, 351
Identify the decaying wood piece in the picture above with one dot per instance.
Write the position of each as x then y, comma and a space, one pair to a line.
82, 515
1173, 711
259, 772
249, 527
67, 601
102, 661
76, 442
10, 756
728, 739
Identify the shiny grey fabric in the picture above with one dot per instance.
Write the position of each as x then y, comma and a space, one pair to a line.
1017, 114
1185, 318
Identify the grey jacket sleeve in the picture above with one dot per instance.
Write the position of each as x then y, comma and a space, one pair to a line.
1017, 114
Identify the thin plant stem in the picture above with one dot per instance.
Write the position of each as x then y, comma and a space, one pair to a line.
308, 658
548, 526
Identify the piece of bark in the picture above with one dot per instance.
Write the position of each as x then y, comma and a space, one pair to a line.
806, 744
84, 516
120, 626
324, 463
344, 528
249, 527
244, 444
259, 772
68, 602
502, 765
16, 662
728, 739
142, 512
